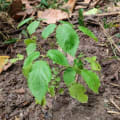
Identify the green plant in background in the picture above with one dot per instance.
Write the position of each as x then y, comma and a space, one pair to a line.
4, 4
32, 25
42, 79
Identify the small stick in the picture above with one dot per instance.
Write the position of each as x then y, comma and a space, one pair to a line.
100, 15
114, 112
109, 38
116, 85
111, 100
105, 14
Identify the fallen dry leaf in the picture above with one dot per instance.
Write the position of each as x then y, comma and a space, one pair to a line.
52, 15
70, 5
3, 60
4, 63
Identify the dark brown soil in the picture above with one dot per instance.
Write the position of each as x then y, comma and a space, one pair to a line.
17, 103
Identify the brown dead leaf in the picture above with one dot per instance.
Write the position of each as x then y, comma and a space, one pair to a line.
52, 15
4, 63
3, 60
70, 5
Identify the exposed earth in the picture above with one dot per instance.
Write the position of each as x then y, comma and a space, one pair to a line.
17, 103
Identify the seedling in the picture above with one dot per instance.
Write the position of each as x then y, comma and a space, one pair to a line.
42, 79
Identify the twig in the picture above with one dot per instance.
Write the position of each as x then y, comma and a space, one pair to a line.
3, 35
109, 37
116, 85
105, 14
101, 14
111, 100
114, 112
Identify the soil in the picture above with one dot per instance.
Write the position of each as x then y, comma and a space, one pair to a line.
17, 103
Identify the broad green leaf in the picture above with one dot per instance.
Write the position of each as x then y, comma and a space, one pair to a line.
77, 91
88, 32
31, 48
28, 62
38, 79
32, 27
91, 79
64, 22
31, 58
69, 76
26, 70
93, 63
57, 57
29, 41
67, 38
48, 30
24, 22
81, 18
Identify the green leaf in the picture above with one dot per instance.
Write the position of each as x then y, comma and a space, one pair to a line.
88, 32
48, 30
64, 22
77, 91
81, 18
42, 102
11, 40
93, 63
31, 48
69, 76
78, 65
67, 38
44, 2
57, 57
28, 62
19, 57
29, 41
51, 90
32, 27
31, 58
91, 79
24, 22
38, 79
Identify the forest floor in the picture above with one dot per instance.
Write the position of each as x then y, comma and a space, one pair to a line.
17, 103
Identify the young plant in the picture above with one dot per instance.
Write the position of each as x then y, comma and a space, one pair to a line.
33, 25
43, 79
